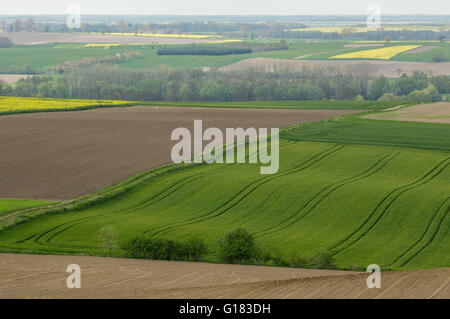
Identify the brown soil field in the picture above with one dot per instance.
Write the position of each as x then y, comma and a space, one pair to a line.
386, 68
40, 276
63, 155
42, 38
421, 49
10, 78
433, 113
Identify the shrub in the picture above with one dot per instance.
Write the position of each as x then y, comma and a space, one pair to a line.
5, 42
196, 249
237, 246
298, 262
429, 94
323, 261
164, 249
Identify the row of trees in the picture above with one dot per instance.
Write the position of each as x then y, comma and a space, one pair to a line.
235, 247
18, 25
164, 249
167, 84
248, 30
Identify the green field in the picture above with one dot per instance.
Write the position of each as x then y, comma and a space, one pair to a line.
296, 49
442, 52
363, 204
427, 56
44, 55
15, 105
41, 56
269, 104
354, 130
12, 205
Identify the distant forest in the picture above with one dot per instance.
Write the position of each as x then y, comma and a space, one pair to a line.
234, 29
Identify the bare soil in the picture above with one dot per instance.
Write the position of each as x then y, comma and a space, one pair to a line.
433, 113
392, 69
63, 155
421, 49
39, 276
42, 38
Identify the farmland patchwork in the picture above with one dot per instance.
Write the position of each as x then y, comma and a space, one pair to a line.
379, 54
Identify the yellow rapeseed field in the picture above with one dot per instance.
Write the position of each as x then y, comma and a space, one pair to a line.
109, 45
380, 54
162, 35
101, 45
24, 104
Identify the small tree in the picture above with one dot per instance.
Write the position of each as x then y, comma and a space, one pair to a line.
237, 246
108, 238
17, 25
283, 44
29, 24
122, 26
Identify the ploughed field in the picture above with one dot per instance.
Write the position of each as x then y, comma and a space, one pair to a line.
37, 276
362, 191
433, 113
392, 69
361, 204
63, 155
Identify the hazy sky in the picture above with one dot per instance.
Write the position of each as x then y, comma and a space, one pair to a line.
204, 7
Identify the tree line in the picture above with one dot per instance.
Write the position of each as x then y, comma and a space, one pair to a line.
103, 81
246, 30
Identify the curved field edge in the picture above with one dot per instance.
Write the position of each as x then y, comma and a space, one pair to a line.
338, 186
9, 205
16, 217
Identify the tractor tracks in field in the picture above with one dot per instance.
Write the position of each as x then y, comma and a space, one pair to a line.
160, 195
383, 206
313, 202
166, 192
427, 237
251, 188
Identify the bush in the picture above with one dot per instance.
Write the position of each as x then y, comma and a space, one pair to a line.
298, 262
238, 246
429, 94
163, 249
5, 42
323, 261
